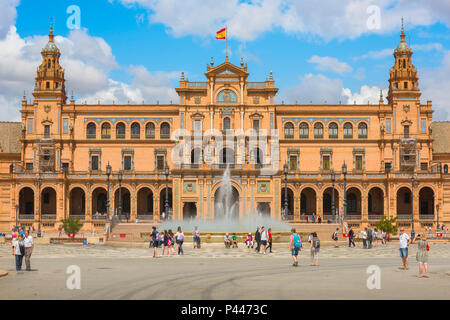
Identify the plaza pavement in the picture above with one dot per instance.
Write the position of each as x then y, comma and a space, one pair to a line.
214, 272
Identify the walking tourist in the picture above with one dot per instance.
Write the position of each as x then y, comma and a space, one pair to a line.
196, 237
179, 236
249, 241
405, 240
22, 231
335, 237
319, 220
165, 238
422, 254
269, 239
18, 251
234, 240
364, 238
258, 239
155, 241
383, 238
295, 245
351, 238
369, 237
314, 248
29, 245
375, 235
264, 239
227, 240
170, 243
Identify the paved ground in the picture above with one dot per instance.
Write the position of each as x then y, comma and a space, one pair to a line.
217, 273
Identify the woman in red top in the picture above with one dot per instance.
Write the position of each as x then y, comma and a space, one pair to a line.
269, 239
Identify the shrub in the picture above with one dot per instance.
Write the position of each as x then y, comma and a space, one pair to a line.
71, 225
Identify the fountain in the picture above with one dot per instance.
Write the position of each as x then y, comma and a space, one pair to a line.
226, 209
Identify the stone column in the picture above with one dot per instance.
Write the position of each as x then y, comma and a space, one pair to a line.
364, 207
211, 119
242, 92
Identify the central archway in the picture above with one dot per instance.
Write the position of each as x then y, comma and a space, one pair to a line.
189, 210
226, 205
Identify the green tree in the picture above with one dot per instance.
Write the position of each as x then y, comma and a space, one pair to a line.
71, 225
388, 225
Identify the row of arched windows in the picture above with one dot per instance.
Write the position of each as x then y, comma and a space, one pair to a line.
135, 130
319, 130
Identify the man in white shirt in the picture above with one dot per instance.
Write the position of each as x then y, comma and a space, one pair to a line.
405, 240
29, 245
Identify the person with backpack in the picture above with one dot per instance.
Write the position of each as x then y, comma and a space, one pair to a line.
179, 236
170, 243
155, 238
196, 238
164, 238
18, 251
314, 248
335, 237
295, 246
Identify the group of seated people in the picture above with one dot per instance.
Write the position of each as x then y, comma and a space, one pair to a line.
233, 240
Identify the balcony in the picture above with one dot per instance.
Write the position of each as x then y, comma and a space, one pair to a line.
375, 217
428, 217
91, 136
120, 136
146, 217
164, 136
256, 84
135, 136
81, 217
100, 217
404, 217
26, 217
51, 217
106, 136
353, 217
150, 136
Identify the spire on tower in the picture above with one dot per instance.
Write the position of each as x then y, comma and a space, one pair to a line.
50, 36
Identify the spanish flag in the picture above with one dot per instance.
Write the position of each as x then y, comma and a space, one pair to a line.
222, 34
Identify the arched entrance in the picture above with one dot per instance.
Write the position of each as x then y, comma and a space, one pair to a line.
99, 199
404, 202
426, 200
327, 203
290, 202
77, 203
26, 203
308, 202
375, 203
353, 203
126, 202
145, 204
162, 203
226, 204
189, 210
48, 198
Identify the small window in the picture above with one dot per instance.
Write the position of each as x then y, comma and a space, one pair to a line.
127, 163
150, 130
120, 131
256, 125
94, 163
423, 125
91, 131
359, 162
424, 166
289, 131
326, 165
135, 131
396, 85
405, 84
165, 130
226, 123
304, 130
47, 85
197, 125
333, 130
406, 131
47, 131
387, 167
318, 130
293, 163
445, 168
160, 162
362, 130
65, 167
348, 130
106, 131
29, 166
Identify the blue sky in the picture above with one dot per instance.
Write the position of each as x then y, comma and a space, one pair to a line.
134, 50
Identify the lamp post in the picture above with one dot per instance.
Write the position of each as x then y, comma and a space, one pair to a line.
437, 216
17, 211
119, 209
344, 172
39, 208
285, 206
166, 203
413, 233
108, 174
333, 209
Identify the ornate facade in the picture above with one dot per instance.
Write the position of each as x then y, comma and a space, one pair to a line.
58, 161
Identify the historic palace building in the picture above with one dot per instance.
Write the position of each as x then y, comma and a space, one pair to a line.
67, 159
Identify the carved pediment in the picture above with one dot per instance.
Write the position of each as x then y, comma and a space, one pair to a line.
406, 122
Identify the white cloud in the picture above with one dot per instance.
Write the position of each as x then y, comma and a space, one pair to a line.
427, 47
330, 64
366, 94
327, 19
377, 54
8, 15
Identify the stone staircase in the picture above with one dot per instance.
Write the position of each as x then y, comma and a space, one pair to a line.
130, 232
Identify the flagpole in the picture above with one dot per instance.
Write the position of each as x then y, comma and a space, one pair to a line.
226, 43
